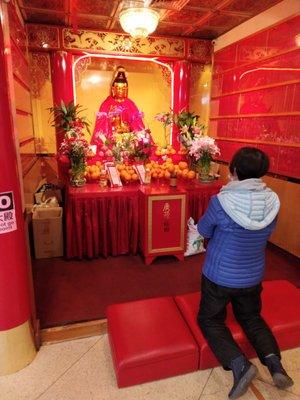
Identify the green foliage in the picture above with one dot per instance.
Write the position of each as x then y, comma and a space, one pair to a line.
186, 118
66, 116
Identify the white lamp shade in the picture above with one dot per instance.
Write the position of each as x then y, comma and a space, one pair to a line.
139, 22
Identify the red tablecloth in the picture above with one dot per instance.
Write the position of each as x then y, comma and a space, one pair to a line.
105, 221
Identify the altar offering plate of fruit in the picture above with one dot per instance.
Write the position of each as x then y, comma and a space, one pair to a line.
128, 174
161, 172
93, 172
161, 153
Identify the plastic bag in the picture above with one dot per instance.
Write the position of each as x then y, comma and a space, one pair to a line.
50, 202
195, 242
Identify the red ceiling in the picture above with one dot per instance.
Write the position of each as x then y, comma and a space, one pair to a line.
205, 19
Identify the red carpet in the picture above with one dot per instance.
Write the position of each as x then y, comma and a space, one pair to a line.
72, 291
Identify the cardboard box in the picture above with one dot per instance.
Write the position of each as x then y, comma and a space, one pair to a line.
47, 232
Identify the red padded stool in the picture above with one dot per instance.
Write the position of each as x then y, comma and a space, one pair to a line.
150, 340
281, 311
189, 305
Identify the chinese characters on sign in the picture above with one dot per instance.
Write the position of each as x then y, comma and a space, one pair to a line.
166, 218
7, 213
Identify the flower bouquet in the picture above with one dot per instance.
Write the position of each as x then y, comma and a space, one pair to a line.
202, 150
75, 148
126, 147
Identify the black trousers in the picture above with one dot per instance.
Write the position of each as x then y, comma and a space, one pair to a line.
246, 305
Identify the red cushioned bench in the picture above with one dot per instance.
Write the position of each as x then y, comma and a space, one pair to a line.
150, 340
158, 338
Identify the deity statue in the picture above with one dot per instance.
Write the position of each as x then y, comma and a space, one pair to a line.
117, 114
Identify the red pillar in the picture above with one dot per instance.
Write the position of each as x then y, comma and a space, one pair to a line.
14, 266
62, 82
181, 93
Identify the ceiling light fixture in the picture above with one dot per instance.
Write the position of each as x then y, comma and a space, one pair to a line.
139, 22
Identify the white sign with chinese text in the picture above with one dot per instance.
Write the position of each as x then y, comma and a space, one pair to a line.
8, 221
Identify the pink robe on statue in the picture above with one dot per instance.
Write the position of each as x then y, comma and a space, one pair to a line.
129, 114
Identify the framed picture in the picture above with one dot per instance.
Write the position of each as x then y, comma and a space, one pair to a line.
114, 176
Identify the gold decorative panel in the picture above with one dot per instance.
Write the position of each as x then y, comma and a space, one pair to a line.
108, 42
39, 72
43, 37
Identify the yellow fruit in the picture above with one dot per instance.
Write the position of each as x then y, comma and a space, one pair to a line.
95, 175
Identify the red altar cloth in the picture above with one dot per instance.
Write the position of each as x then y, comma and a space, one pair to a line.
105, 221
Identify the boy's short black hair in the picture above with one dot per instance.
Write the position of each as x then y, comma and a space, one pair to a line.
249, 162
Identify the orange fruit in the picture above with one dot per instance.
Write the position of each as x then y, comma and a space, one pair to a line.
173, 151
191, 174
127, 177
171, 168
154, 175
134, 177
185, 173
167, 175
182, 165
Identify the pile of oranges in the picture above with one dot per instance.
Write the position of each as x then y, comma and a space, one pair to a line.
165, 170
92, 172
165, 151
127, 173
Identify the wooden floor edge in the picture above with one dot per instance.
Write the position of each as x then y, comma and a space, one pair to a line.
73, 331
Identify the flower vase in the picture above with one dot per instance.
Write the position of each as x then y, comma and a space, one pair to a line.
77, 178
205, 170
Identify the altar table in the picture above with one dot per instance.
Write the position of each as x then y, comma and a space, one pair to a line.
105, 221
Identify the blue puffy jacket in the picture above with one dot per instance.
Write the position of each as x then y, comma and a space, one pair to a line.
238, 221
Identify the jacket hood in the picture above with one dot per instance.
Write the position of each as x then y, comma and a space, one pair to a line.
249, 203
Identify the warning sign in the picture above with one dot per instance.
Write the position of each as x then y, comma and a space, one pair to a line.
8, 221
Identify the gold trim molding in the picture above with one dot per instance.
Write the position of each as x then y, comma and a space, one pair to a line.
116, 43
17, 348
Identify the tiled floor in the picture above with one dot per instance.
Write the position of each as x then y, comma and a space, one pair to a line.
82, 370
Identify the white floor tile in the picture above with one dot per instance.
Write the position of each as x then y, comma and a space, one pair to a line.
83, 370
92, 378
50, 363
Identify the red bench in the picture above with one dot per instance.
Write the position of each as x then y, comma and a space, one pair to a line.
150, 340
157, 338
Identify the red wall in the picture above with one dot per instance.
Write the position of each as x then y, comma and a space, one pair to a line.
256, 96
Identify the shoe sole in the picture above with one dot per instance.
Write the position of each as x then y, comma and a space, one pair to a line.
244, 383
282, 381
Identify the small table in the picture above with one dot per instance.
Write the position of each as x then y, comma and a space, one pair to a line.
105, 221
